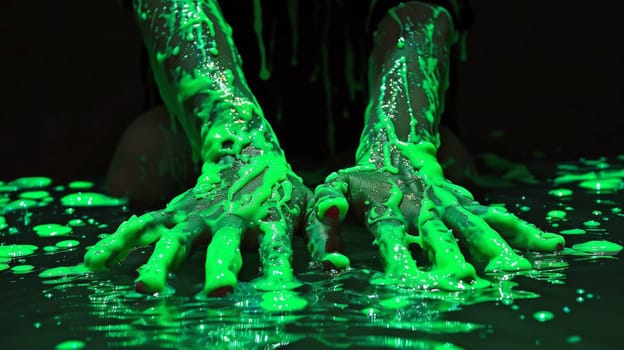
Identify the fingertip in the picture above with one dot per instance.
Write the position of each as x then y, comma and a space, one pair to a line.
332, 213
335, 261
221, 291
332, 210
140, 287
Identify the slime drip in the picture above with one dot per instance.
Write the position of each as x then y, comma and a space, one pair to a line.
265, 74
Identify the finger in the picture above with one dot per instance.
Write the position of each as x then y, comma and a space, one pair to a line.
519, 233
449, 265
276, 257
463, 196
327, 211
171, 249
483, 241
223, 256
392, 241
132, 233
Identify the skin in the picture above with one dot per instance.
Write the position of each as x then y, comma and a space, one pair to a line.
247, 189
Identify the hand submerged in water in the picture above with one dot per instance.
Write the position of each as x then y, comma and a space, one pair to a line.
254, 194
413, 203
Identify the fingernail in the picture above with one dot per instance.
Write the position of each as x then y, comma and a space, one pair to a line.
221, 292
332, 213
140, 287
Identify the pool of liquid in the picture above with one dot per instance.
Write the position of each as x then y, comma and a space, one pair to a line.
571, 299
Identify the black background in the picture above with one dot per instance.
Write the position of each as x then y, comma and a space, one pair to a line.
546, 73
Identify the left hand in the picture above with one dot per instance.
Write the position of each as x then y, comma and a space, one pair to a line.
410, 204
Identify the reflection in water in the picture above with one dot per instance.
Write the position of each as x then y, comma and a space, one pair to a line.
342, 310
329, 310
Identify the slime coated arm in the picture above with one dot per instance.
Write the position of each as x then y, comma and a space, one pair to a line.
246, 185
397, 187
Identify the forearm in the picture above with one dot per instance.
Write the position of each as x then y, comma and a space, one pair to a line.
199, 75
408, 77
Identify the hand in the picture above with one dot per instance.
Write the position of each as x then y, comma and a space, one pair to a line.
254, 194
413, 203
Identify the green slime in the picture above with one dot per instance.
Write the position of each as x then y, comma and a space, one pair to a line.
52, 230
90, 199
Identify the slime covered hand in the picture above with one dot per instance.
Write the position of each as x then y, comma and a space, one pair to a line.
246, 185
413, 203
256, 194
397, 188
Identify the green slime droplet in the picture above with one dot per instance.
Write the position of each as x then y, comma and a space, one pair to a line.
34, 195
90, 199
70, 243
30, 182
3, 223
598, 247
21, 269
573, 231
70, 344
17, 250
52, 230
602, 184
76, 222
80, 185
556, 214
21, 204
543, 316
560, 192
591, 223
573, 339
64, 271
